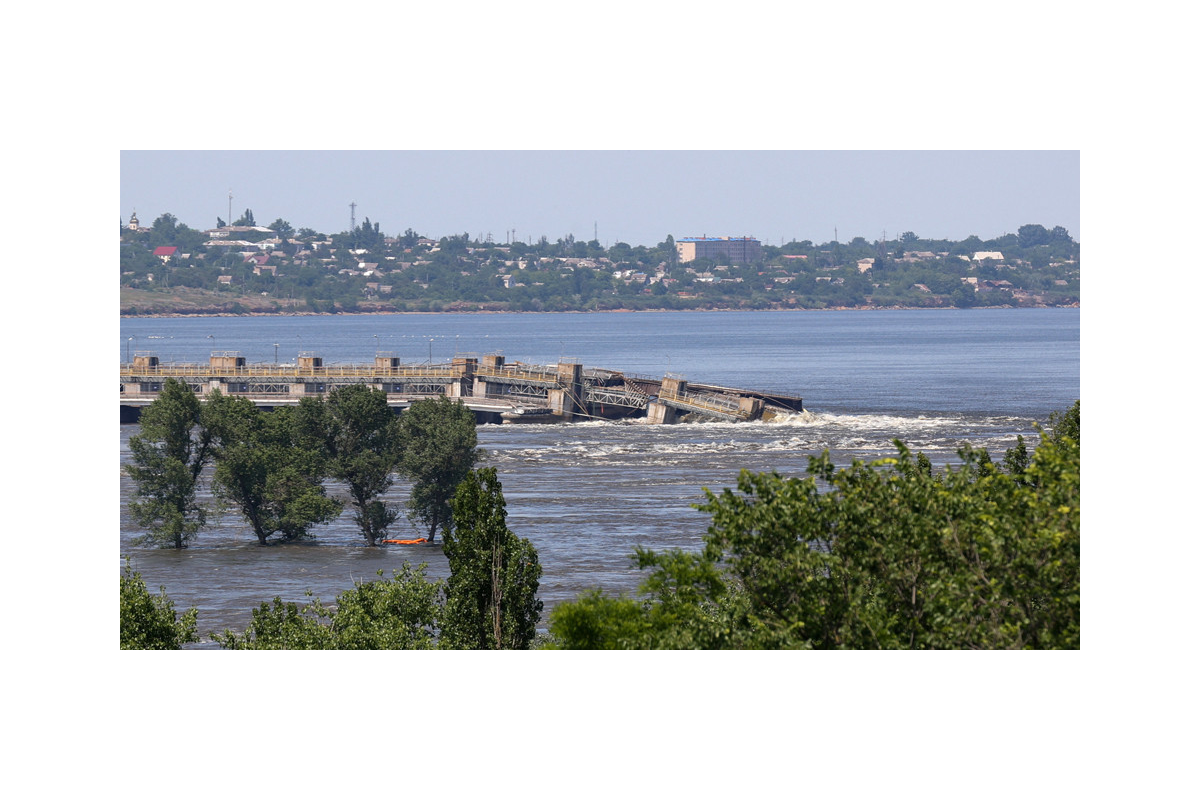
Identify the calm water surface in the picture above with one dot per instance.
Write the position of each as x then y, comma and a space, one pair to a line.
587, 493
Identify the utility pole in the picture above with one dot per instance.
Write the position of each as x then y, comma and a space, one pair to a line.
230, 220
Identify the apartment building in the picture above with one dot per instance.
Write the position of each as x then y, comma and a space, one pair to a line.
735, 249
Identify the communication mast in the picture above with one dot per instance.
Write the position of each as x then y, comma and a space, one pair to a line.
352, 205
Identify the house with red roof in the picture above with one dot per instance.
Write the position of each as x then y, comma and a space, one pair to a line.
165, 253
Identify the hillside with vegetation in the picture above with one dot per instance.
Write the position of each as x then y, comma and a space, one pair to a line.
244, 268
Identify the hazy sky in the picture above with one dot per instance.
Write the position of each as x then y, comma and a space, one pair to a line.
637, 197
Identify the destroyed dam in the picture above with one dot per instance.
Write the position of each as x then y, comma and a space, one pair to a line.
496, 391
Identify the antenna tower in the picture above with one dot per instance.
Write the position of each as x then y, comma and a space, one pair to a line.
352, 205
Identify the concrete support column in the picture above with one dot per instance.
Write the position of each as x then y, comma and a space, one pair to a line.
659, 413
494, 362
567, 401
750, 406
463, 367
674, 387
560, 403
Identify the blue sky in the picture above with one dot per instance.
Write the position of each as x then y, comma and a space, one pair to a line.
634, 196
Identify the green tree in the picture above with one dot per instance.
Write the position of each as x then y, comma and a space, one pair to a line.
489, 601
491, 594
246, 219
886, 554
149, 622
363, 443
688, 604
282, 227
162, 230
439, 442
1032, 235
964, 296
397, 614
596, 621
280, 626
1016, 460
267, 468
1064, 427
169, 454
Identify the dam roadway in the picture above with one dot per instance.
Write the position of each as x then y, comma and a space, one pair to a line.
496, 391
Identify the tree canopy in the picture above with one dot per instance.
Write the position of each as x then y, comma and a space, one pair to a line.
149, 622
488, 602
270, 465
363, 442
396, 614
886, 554
265, 470
439, 451
168, 455
491, 594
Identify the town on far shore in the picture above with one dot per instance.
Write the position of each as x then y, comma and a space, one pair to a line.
246, 268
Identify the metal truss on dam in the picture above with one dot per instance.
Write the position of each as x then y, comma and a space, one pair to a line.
497, 392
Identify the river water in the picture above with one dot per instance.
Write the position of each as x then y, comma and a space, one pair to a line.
587, 493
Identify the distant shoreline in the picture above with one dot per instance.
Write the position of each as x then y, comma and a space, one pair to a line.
180, 315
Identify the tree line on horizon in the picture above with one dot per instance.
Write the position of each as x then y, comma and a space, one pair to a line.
461, 272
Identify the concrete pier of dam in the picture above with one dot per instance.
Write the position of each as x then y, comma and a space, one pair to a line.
496, 391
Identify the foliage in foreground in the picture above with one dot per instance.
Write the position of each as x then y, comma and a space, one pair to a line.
396, 614
886, 554
491, 595
880, 555
149, 622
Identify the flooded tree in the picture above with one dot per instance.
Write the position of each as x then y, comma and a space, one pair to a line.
169, 454
439, 450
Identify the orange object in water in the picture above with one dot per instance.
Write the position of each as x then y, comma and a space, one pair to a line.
405, 541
